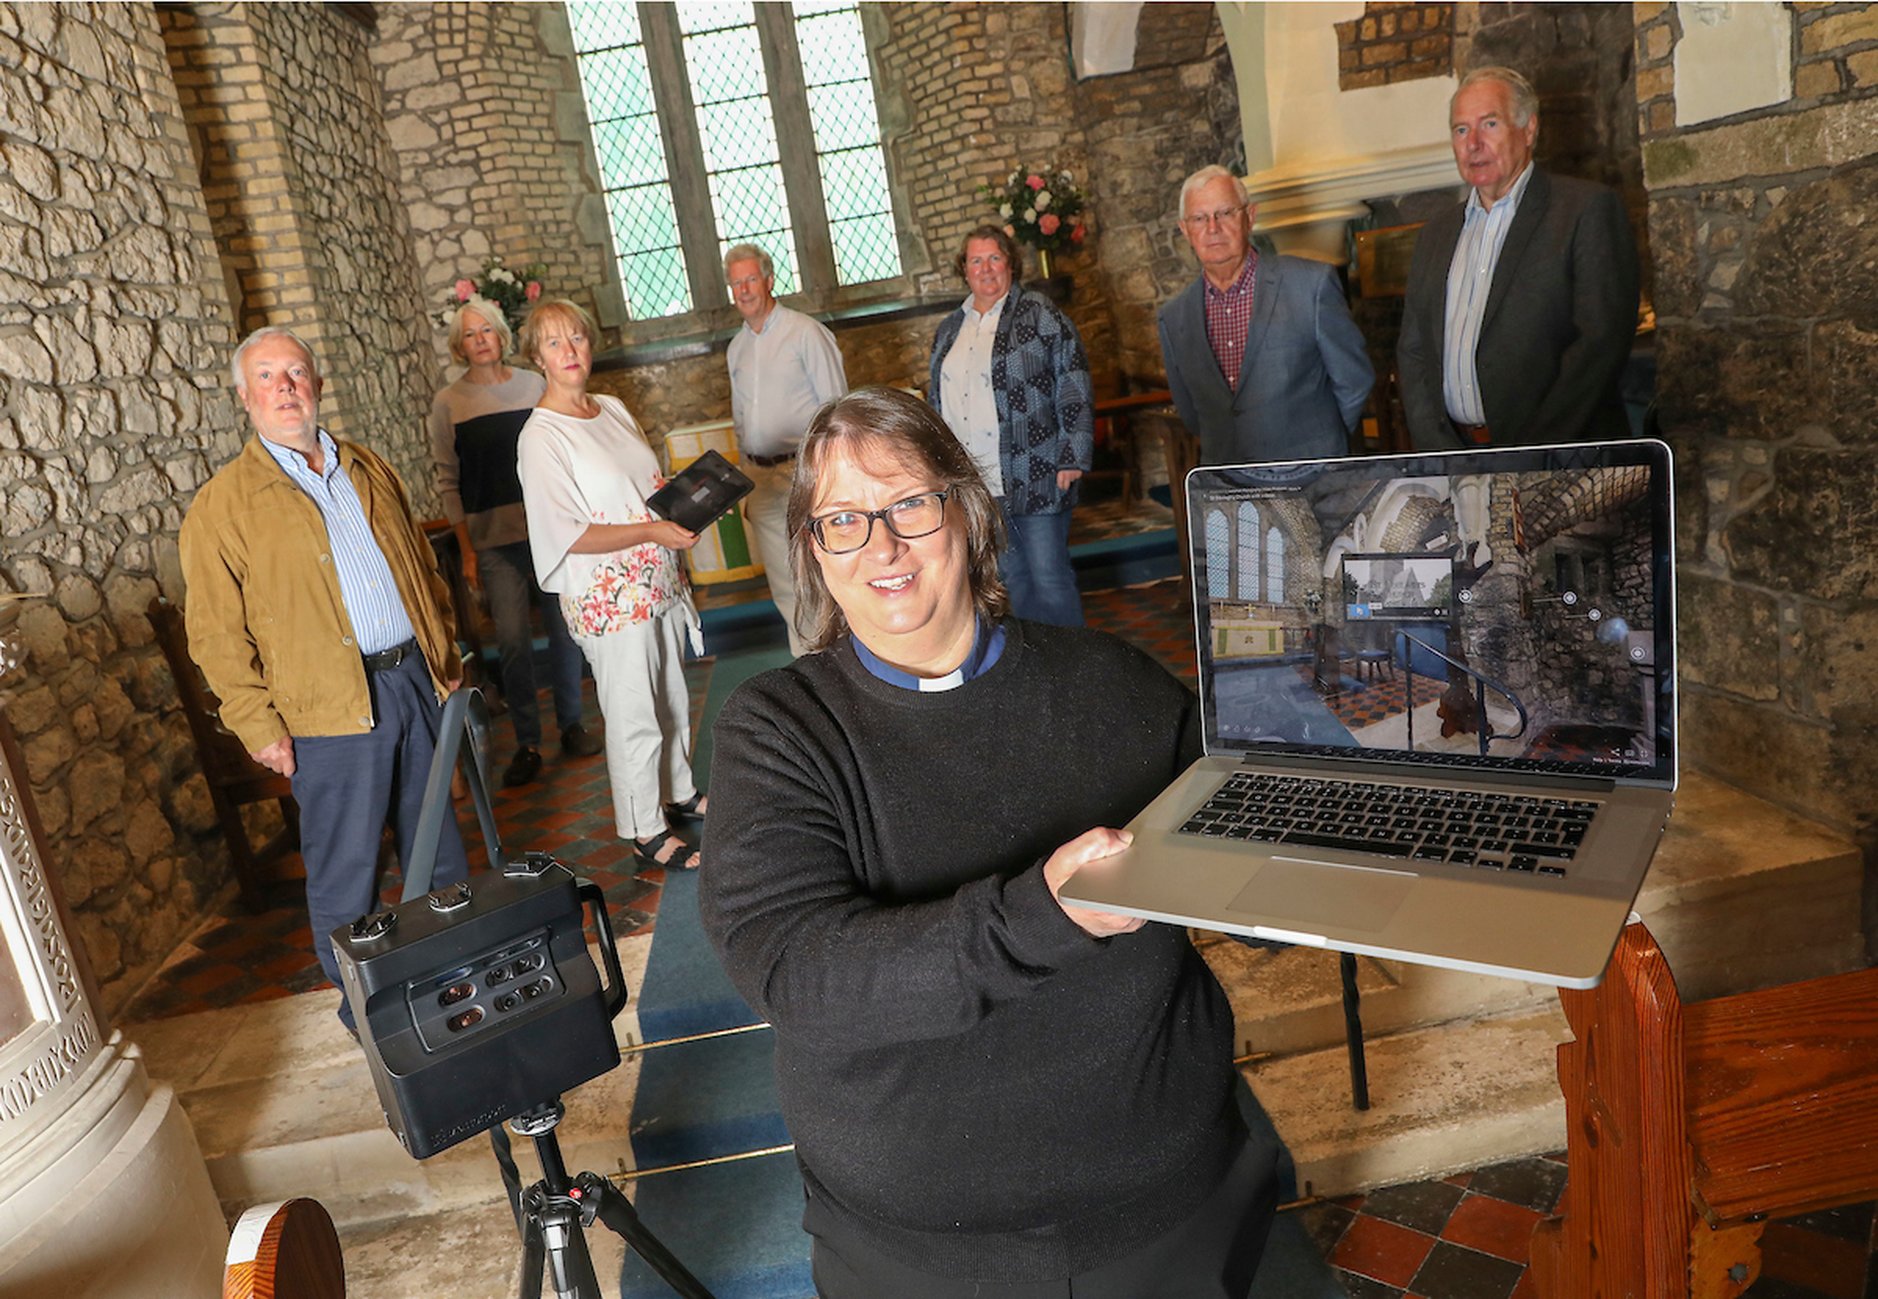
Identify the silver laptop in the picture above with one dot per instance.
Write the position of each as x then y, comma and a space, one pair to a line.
1439, 702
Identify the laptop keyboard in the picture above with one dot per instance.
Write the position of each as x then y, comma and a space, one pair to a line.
1535, 836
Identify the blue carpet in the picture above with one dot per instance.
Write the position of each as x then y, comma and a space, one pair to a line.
686, 990
737, 1227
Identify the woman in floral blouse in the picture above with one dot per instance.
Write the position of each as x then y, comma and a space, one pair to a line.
586, 471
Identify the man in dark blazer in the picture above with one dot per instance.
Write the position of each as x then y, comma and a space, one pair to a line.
1262, 357
1522, 302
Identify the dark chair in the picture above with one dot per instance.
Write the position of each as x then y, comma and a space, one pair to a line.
234, 778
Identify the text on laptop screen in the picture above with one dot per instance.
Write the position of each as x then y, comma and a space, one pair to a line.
1508, 609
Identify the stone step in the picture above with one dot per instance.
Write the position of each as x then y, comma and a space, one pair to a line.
1442, 1099
1741, 895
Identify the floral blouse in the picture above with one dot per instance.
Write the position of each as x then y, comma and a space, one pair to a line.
577, 472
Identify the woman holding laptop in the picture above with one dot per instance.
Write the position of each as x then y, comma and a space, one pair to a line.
989, 1094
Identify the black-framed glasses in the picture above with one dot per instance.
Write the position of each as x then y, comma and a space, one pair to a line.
845, 531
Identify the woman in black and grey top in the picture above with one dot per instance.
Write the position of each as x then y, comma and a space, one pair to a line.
474, 424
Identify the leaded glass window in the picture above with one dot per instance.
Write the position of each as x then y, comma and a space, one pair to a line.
1247, 585
1218, 555
1275, 566
723, 123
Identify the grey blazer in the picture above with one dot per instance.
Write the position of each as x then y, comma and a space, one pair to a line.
1560, 320
1305, 376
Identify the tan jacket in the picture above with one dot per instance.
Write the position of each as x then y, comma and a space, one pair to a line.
266, 621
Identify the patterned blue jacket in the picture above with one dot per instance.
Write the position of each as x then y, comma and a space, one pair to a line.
1046, 408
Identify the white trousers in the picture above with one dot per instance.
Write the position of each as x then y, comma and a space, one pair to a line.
767, 511
639, 675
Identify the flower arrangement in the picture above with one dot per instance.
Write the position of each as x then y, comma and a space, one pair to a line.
513, 291
1039, 206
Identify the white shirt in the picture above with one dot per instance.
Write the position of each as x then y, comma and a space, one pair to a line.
1470, 278
779, 378
971, 408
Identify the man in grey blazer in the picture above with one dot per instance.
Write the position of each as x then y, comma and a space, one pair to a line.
1262, 357
1522, 302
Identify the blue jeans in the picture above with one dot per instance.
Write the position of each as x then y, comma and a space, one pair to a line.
508, 574
349, 786
1036, 569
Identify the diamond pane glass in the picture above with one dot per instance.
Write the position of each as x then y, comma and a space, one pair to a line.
629, 151
655, 284
803, 7
724, 65
699, 17
865, 249
843, 115
642, 218
598, 26
616, 83
832, 46
854, 183
749, 201
740, 133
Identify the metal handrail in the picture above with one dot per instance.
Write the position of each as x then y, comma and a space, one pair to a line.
1482, 683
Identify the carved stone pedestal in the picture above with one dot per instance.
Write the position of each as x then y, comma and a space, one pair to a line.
103, 1191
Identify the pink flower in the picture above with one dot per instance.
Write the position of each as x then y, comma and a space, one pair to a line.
1049, 222
465, 290
533, 291
1034, 181
1075, 235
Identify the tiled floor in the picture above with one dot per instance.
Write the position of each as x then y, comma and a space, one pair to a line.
1462, 1238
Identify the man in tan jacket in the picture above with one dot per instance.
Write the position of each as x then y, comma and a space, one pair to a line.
316, 612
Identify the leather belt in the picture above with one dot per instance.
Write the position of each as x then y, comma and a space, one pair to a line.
1475, 433
386, 659
770, 462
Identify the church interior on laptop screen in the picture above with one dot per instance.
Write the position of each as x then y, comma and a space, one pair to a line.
1505, 616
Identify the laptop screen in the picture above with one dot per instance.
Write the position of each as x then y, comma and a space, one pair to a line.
1510, 608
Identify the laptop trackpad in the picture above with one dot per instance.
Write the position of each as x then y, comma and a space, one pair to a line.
1348, 897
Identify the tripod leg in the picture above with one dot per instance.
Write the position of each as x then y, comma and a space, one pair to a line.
617, 1214
569, 1264
531, 1256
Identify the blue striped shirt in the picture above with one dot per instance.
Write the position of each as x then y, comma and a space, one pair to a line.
1470, 278
370, 593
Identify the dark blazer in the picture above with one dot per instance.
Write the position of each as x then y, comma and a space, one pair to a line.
1304, 379
1561, 316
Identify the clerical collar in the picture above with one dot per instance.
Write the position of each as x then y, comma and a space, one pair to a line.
987, 646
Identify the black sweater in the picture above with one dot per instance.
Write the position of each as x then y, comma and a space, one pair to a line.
969, 1078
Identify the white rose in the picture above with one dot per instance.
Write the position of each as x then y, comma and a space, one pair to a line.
1043, 200
1064, 178
1005, 211
1015, 177
502, 276
1030, 217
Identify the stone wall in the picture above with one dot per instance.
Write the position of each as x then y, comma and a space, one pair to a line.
1395, 40
1767, 269
483, 108
114, 338
301, 180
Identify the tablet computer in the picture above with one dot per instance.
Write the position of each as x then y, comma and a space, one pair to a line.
701, 493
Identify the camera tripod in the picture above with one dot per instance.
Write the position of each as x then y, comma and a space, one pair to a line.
553, 1212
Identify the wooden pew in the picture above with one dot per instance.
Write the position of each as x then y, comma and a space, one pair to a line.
1689, 1126
234, 778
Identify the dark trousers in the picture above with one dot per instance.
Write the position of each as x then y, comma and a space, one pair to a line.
1214, 1254
509, 581
349, 786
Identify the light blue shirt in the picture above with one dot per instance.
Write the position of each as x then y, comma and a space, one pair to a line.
1470, 277
370, 593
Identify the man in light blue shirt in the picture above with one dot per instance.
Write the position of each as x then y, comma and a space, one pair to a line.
1522, 302
317, 615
